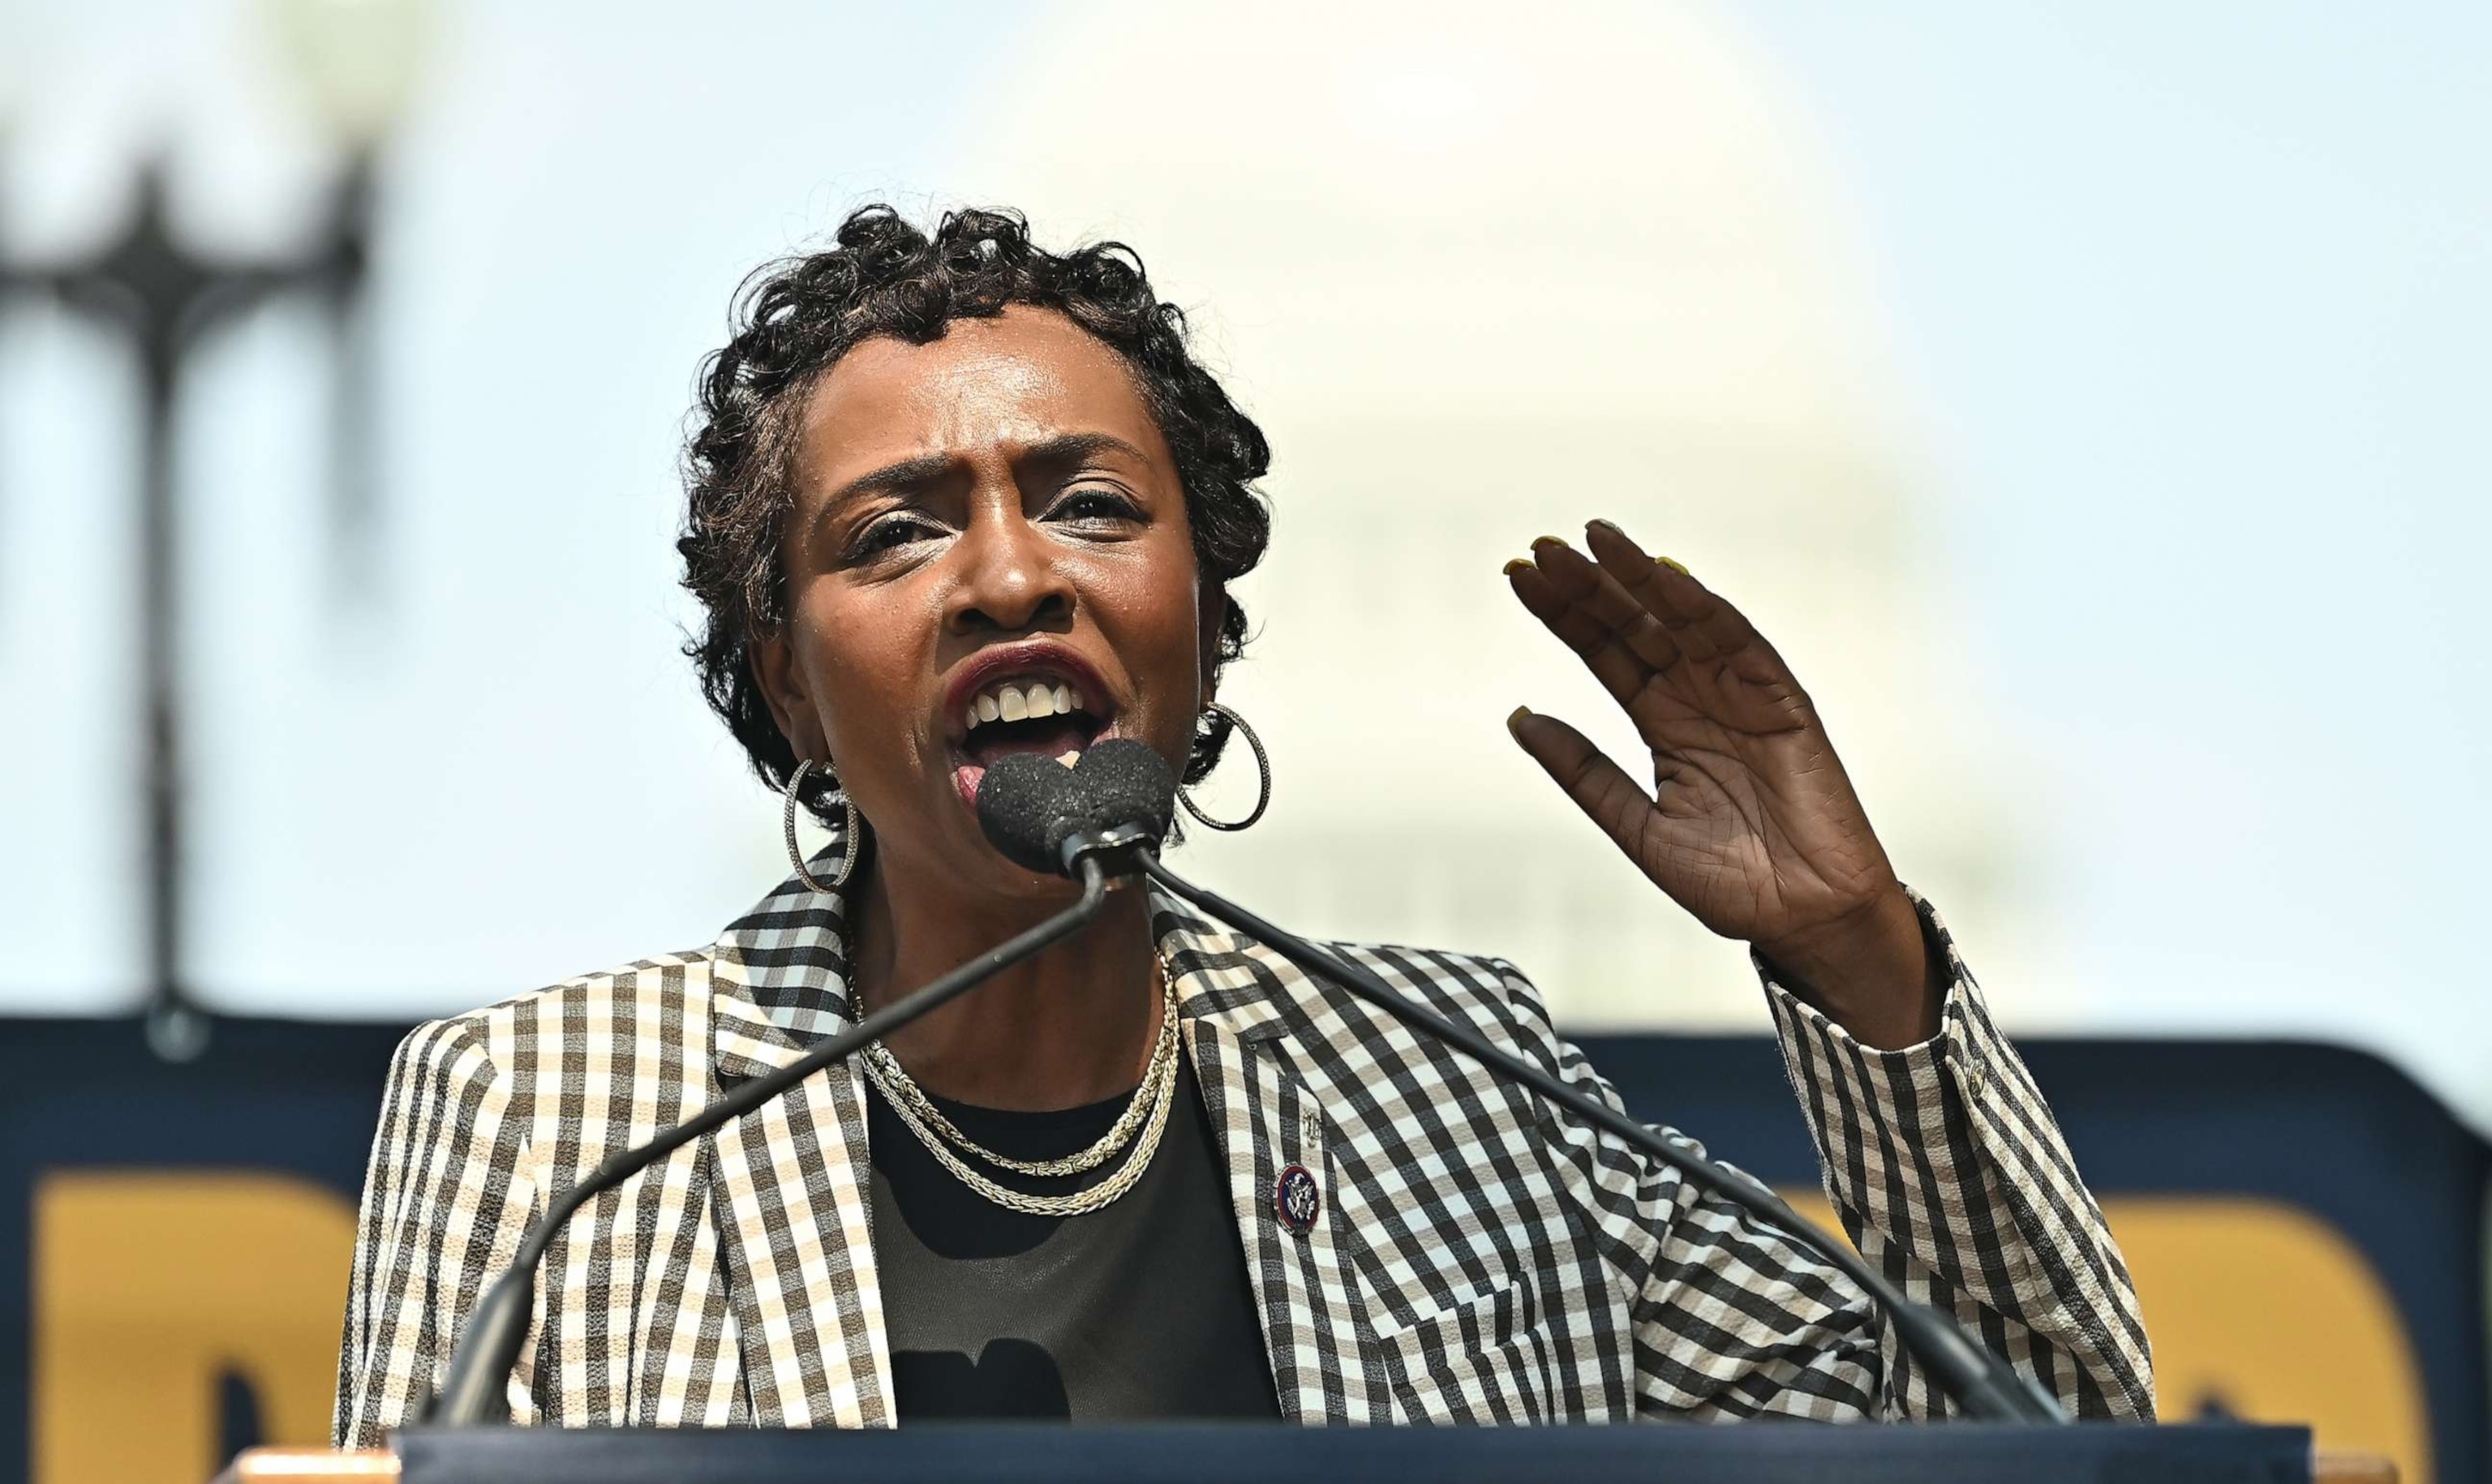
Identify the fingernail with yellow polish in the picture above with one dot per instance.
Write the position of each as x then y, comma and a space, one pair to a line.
1539, 541
1680, 567
1517, 564
1514, 722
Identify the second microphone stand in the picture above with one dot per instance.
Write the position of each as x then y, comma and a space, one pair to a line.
1985, 1386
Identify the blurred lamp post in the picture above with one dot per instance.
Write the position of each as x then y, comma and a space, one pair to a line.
356, 59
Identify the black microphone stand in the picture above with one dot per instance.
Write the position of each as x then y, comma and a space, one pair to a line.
474, 1386
1985, 1386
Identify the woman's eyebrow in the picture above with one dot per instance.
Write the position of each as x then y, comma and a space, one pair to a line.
1073, 448
925, 469
907, 474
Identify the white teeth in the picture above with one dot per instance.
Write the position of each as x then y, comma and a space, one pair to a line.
1021, 703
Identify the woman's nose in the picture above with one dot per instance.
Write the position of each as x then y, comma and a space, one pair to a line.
1010, 578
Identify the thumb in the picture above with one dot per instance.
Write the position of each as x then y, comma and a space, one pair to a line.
1600, 788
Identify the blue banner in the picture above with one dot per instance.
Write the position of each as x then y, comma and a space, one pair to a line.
2306, 1226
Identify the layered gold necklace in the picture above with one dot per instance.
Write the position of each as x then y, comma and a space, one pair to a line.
1141, 1125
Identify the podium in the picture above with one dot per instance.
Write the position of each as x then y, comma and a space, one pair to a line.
1759, 1453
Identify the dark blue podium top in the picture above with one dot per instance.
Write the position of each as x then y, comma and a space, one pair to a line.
1764, 1453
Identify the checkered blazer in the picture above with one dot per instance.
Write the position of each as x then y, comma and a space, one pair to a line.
1475, 1256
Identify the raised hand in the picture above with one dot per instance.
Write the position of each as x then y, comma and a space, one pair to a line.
1752, 825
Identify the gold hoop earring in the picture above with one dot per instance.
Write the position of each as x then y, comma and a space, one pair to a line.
855, 833
1263, 769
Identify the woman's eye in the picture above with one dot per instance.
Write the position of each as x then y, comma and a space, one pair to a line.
1096, 504
892, 533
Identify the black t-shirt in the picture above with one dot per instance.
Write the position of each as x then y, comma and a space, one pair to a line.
1141, 1310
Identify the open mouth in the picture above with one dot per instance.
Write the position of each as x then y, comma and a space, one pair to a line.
1033, 710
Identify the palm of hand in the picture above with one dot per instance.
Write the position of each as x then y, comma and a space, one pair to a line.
1752, 825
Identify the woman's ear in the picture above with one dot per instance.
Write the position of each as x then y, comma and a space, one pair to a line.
781, 681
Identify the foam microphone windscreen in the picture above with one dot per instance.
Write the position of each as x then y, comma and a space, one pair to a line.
1028, 804
1021, 797
1124, 782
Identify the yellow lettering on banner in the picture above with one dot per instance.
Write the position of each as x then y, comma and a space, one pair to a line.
2268, 1313
149, 1285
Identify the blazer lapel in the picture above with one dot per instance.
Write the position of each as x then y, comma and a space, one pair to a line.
1275, 1137
793, 1176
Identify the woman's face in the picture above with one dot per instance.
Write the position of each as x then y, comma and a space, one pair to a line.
986, 553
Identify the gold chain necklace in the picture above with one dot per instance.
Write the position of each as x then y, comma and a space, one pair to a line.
1147, 1112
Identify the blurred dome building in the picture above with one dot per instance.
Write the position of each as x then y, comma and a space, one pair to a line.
1471, 303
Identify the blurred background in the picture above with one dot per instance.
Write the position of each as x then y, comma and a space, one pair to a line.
2088, 400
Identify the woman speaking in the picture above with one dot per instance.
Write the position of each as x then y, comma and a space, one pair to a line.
954, 498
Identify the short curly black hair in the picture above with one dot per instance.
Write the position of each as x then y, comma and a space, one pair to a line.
795, 319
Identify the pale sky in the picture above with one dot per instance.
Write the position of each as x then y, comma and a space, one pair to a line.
2183, 310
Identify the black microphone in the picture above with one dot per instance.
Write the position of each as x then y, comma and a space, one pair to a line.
1118, 799
1985, 1386
1094, 827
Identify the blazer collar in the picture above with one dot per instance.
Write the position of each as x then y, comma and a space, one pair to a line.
814, 1345
779, 972
779, 975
